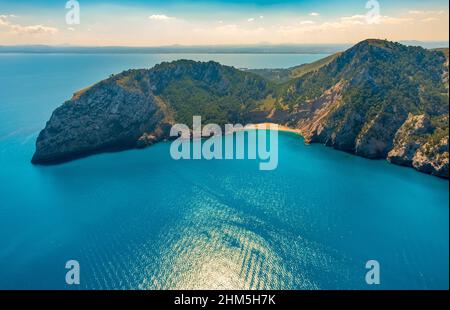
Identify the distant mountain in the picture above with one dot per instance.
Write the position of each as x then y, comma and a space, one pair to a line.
263, 48
427, 45
378, 99
180, 49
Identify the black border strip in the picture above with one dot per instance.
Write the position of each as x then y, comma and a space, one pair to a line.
282, 298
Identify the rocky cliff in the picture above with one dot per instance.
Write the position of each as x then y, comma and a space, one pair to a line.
105, 117
137, 108
378, 99
422, 144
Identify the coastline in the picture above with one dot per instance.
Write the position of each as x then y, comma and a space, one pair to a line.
273, 126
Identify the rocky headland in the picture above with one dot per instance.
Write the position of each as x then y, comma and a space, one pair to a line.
379, 99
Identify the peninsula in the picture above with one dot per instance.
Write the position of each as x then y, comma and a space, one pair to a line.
378, 99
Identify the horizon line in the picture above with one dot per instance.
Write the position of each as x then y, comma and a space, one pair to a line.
176, 45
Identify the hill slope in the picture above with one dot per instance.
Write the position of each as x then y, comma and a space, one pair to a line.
137, 108
359, 101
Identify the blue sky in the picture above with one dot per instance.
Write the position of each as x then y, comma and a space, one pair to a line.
200, 22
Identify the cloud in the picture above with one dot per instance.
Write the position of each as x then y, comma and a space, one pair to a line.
353, 20
418, 12
389, 20
429, 19
20, 29
160, 17
226, 28
171, 28
2, 20
346, 24
363, 19
427, 16
307, 22
36, 29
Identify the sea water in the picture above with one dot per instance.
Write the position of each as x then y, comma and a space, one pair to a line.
140, 220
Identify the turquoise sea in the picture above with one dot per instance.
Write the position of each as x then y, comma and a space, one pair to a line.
141, 220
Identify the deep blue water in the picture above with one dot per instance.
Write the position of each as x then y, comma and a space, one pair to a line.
139, 219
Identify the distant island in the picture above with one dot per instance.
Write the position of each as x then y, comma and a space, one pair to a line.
378, 99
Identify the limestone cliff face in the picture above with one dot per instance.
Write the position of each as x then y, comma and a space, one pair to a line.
105, 117
408, 139
423, 145
433, 158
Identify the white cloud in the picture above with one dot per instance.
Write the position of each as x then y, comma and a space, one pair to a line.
427, 16
389, 20
160, 17
307, 22
251, 20
20, 29
362, 20
36, 29
3, 20
417, 12
226, 28
345, 24
430, 19
314, 14
354, 20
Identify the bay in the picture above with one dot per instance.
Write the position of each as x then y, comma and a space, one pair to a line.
140, 220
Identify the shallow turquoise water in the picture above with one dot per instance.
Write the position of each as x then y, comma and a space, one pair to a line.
139, 219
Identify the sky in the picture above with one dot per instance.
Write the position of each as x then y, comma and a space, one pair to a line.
220, 22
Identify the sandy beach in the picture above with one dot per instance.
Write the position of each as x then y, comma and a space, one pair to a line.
273, 126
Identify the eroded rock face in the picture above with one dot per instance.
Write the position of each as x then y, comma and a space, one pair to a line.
108, 116
314, 115
422, 145
433, 159
407, 139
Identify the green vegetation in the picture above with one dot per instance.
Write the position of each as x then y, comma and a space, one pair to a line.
220, 94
